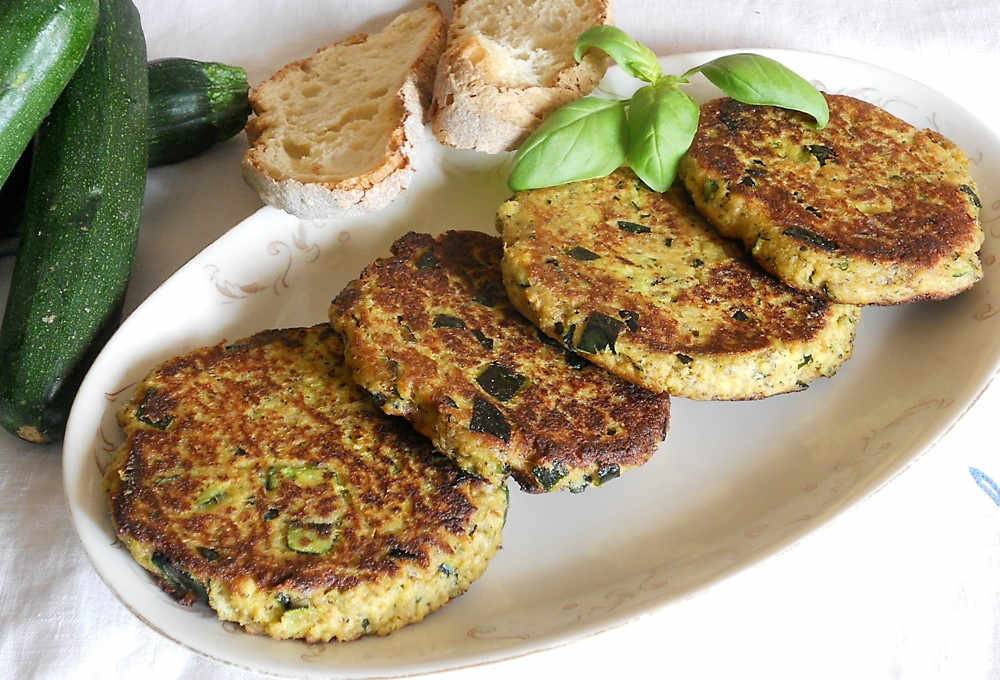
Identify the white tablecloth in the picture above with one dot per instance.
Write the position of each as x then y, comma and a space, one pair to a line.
905, 585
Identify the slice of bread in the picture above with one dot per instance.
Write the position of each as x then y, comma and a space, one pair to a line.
333, 132
509, 63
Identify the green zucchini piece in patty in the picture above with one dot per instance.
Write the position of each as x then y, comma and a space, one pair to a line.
487, 418
549, 476
302, 475
582, 254
181, 584
599, 333
448, 321
212, 495
500, 382
143, 412
312, 538
633, 227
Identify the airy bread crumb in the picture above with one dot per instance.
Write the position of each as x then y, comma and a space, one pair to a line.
333, 132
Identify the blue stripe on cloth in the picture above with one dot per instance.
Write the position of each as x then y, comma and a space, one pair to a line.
986, 484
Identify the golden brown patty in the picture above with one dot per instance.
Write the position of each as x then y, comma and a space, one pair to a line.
637, 282
430, 333
257, 477
868, 210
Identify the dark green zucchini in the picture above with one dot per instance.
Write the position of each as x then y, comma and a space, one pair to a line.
42, 42
192, 106
81, 222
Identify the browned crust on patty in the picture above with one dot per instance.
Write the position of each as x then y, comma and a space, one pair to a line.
566, 415
222, 414
691, 314
719, 288
930, 219
867, 188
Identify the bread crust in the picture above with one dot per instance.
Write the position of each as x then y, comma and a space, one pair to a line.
377, 187
473, 109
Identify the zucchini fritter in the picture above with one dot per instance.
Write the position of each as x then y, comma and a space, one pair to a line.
431, 334
868, 210
257, 477
637, 282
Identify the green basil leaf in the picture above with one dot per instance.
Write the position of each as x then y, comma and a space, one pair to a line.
637, 59
662, 122
753, 79
582, 140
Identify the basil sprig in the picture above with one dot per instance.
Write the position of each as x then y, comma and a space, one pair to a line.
753, 79
638, 60
592, 137
582, 140
662, 120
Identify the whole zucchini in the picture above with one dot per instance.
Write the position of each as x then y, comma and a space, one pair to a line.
42, 42
192, 106
81, 222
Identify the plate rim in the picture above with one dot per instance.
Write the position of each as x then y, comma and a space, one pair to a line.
821, 520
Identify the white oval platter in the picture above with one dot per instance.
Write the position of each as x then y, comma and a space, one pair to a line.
734, 483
